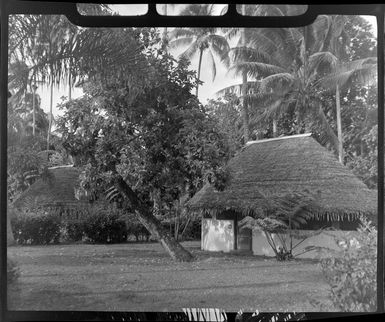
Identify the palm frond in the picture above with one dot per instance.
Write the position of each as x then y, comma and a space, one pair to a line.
323, 61
255, 69
329, 134
211, 62
277, 80
248, 54
191, 51
364, 69
231, 33
180, 32
180, 42
236, 89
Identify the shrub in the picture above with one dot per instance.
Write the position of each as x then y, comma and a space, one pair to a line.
135, 228
13, 272
351, 273
105, 226
37, 228
74, 230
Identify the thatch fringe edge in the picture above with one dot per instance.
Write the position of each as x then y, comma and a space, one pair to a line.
328, 215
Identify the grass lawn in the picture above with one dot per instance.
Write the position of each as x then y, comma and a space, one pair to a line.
141, 277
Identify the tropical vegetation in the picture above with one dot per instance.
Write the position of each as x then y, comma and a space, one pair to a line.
139, 133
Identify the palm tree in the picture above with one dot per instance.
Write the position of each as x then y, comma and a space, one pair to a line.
46, 51
345, 72
200, 40
245, 52
287, 64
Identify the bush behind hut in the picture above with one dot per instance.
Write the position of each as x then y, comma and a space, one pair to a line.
352, 272
37, 228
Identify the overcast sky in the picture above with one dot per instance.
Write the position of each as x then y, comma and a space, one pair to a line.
206, 91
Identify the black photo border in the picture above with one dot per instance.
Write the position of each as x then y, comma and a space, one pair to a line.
153, 19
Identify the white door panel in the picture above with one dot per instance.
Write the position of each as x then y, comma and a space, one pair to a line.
217, 235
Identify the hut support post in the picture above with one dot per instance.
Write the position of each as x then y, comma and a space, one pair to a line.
236, 232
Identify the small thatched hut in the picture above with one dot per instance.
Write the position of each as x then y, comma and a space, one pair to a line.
58, 191
277, 167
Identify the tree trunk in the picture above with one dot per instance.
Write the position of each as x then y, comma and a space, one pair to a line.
339, 126
10, 238
185, 227
199, 70
245, 112
173, 248
50, 115
69, 82
275, 130
33, 110
164, 36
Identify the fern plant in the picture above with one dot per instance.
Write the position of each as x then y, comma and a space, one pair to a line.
288, 213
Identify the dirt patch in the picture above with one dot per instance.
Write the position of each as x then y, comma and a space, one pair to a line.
141, 277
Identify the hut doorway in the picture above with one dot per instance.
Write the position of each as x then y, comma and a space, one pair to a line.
244, 240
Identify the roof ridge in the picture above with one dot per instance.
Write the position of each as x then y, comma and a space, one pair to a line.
279, 138
62, 166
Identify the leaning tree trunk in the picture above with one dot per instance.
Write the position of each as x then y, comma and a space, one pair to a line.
173, 248
339, 126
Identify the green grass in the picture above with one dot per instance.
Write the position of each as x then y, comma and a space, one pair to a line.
141, 277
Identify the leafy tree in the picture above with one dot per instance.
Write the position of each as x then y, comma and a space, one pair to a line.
227, 111
200, 40
143, 138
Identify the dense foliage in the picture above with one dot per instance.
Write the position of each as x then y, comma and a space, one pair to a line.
104, 226
39, 228
73, 231
352, 273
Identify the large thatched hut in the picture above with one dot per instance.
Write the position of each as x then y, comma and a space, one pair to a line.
277, 167
57, 191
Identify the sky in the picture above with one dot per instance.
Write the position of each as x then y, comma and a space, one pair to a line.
206, 91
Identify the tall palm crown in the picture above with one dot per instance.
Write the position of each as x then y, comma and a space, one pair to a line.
200, 40
287, 64
244, 52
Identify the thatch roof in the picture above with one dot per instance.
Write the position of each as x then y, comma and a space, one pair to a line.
284, 165
58, 190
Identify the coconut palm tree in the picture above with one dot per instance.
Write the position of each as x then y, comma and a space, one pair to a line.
200, 41
342, 77
287, 63
345, 72
46, 51
244, 52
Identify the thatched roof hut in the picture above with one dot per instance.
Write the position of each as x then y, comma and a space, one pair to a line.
60, 190
280, 166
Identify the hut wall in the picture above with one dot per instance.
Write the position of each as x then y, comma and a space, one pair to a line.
260, 245
217, 235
